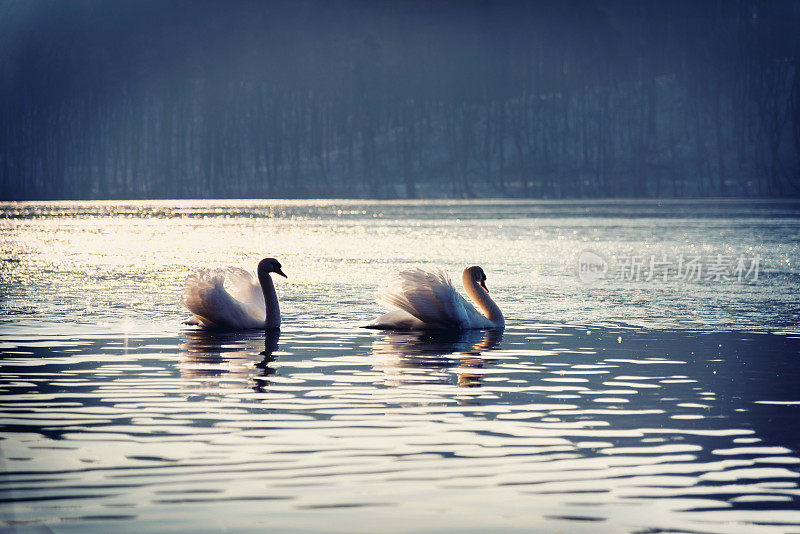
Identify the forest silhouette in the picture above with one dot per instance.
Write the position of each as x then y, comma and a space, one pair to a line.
399, 99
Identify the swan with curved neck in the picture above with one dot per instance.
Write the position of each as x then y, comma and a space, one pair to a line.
428, 300
229, 298
266, 266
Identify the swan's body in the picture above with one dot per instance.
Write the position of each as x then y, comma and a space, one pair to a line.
428, 300
231, 298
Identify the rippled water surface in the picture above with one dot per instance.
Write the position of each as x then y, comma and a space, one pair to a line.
617, 405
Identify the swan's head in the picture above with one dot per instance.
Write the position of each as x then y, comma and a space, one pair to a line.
270, 265
475, 274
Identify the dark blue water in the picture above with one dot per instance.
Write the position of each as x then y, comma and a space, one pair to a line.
612, 406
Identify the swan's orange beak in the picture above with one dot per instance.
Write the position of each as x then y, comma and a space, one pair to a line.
278, 271
483, 285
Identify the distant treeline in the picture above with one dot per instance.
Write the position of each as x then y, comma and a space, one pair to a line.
403, 98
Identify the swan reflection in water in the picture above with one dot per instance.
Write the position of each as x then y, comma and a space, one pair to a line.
215, 359
426, 356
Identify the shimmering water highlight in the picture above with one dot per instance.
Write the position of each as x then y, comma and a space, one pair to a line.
611, 407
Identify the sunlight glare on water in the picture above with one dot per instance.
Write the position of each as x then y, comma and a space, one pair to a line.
100, 261
614, 406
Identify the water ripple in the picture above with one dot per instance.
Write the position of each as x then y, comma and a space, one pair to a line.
306, 423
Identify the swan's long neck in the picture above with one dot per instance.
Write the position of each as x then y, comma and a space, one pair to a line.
482, 299
271, 300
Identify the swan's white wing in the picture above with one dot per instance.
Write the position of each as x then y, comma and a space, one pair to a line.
224, 298
244, 287
397, 320
430, 297
473, 318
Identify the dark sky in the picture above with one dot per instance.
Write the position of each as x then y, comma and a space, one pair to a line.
312, 42
74, 72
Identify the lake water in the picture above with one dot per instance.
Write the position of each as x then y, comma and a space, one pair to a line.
661, 396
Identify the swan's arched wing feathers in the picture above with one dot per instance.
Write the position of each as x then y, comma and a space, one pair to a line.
428, 296
226, 298
241, 285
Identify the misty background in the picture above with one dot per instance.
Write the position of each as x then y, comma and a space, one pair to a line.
399, 99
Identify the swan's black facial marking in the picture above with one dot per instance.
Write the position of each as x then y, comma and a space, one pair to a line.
270, 265
475, 274
482, 280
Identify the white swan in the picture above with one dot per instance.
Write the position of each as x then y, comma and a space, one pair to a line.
428, 300
230, 298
